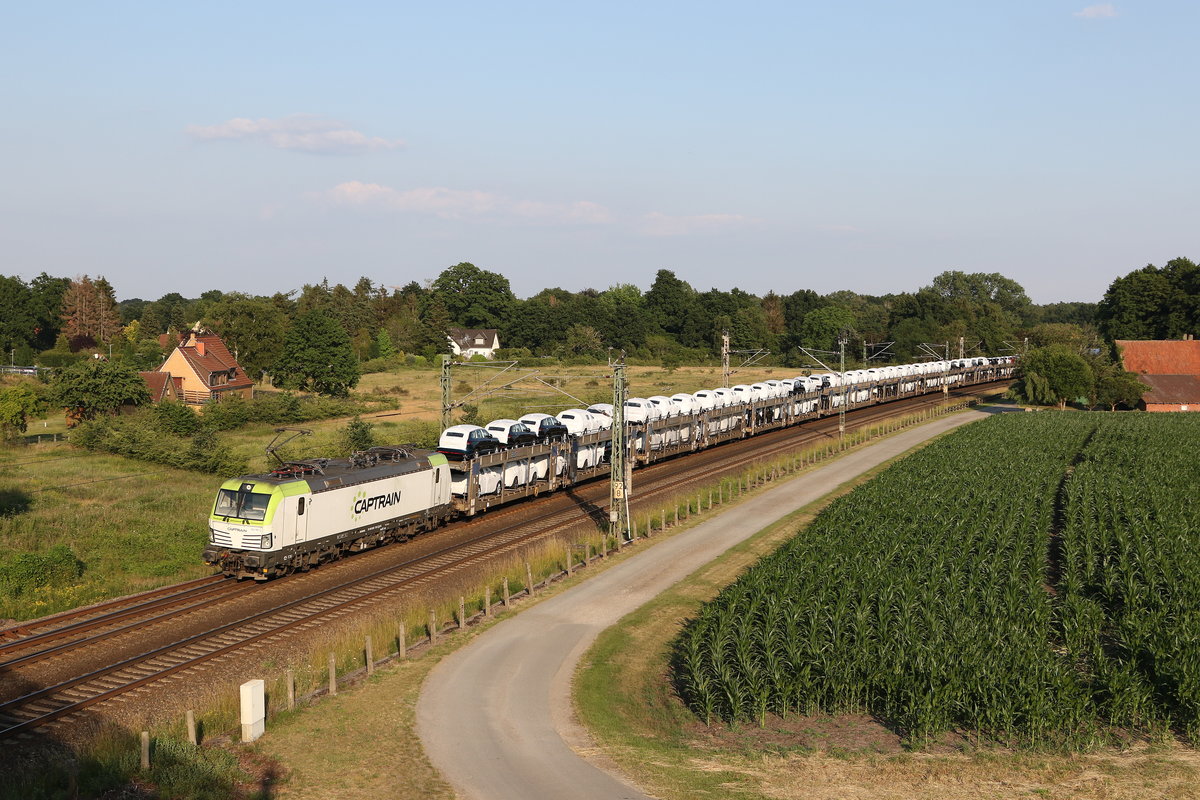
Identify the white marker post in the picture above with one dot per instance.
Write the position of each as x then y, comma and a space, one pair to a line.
254, 710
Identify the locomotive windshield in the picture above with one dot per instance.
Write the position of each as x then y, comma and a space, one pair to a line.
243, 505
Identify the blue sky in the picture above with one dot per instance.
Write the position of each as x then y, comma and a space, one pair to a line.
864, 146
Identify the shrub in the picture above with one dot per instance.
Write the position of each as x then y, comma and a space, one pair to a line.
59, 358
229, 413
145, 437
24, 572
381, 364
356, 436
177, 418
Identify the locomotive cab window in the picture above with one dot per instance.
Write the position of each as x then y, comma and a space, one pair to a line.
243, 505
300, 509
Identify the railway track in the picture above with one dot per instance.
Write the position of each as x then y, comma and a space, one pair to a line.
494, 534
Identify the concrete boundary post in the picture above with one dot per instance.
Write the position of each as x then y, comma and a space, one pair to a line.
332, 673
370, 655
254, 708
145, 754
529, 578
190, 719
290, 678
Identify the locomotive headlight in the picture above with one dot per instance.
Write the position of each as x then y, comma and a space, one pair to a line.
266, 541
212, 536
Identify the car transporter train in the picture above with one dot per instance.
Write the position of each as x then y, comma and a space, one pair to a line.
304, 513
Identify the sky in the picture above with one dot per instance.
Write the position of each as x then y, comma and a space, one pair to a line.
865, 145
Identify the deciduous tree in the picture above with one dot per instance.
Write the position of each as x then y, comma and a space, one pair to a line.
317, 356
1053, 375
96, 386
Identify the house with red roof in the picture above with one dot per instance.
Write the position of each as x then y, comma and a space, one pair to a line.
202, 370
1170, 368
162, 386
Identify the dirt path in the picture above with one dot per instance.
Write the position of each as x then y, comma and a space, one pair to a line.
495, 716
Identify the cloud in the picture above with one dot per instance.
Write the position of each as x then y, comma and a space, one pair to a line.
308, 133
470, 203
658, 224
1101, 11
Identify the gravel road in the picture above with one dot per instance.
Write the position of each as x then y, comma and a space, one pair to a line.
496, 716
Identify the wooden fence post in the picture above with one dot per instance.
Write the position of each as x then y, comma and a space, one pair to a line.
190, 719
401, 644
529, 578
291, 688
568, 561
506, 597
332, 673
462, 613
433, 631
487, 600
370, 655
145, 751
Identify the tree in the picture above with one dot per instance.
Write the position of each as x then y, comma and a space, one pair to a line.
583, 340
822, 327
93, 387
18, 324
383, 344
1118, 388
46, 305
474, 297
1053, 375
252, 327
1152, 303
669, 301
17, 404
317, 356
89, 311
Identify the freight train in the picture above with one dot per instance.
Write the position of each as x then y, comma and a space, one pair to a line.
304, 513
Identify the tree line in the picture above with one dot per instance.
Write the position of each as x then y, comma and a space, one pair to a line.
321, 336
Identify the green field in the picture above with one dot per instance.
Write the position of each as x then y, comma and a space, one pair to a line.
1030, 580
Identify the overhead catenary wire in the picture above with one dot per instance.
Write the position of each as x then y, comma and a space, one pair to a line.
103, 480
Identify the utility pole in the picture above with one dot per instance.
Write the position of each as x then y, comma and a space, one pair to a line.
620, 484
725, 359
845, 395
961, 347
445, 380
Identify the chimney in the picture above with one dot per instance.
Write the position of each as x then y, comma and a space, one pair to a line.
199, 347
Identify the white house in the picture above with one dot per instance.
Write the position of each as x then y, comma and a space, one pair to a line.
467, 342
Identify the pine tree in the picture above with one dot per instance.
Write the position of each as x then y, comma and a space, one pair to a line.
79, 308
108, 317
90, 311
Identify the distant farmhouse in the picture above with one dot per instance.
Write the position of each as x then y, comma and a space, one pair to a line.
467, 342
199, 371
1170, 368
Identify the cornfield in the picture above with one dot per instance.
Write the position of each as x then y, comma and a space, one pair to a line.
1030, 579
